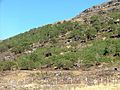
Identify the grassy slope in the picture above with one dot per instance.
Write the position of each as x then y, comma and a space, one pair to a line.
68, 45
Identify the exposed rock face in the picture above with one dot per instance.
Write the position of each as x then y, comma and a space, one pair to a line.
7, 56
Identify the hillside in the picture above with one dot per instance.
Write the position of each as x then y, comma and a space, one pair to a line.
91, 39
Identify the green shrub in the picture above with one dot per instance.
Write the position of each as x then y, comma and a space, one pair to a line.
8, 65
25, 63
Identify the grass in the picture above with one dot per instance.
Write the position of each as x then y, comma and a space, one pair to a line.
55, 51
100, 51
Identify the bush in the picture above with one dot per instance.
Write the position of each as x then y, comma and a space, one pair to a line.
62, 63
8, 65
25, 63
95, 21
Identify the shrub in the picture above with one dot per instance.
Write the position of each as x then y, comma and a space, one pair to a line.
25, 63
8, 65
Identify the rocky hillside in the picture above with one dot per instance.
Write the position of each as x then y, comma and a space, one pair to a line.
91, 39
98, 9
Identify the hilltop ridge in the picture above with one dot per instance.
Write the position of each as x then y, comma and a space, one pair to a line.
100, 9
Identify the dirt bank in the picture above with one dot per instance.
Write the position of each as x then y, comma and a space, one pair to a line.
60, 80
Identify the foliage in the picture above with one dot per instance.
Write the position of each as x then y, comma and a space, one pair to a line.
8, 65
94, 49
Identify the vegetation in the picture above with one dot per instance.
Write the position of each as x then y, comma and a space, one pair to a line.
99, 42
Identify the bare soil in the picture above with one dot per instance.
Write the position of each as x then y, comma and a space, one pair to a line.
104, 79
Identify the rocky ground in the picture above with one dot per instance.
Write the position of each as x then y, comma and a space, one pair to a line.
58, 80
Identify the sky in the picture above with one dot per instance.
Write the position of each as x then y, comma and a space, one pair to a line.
18, 16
